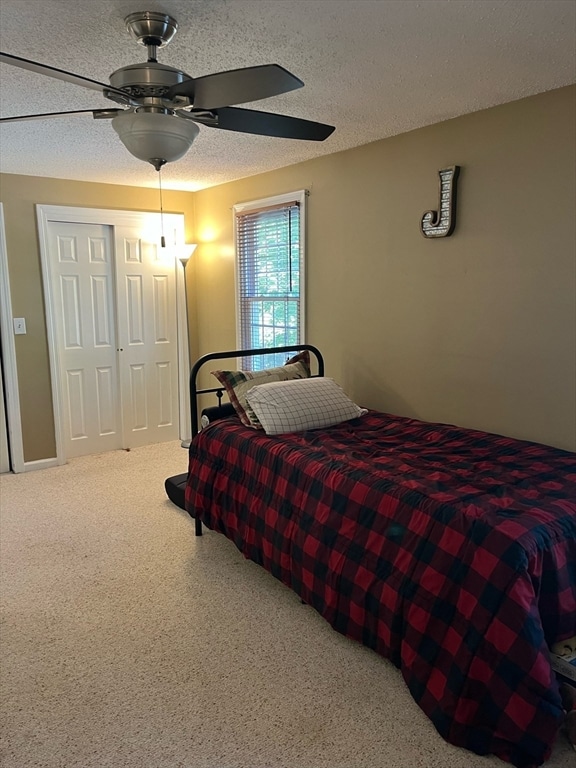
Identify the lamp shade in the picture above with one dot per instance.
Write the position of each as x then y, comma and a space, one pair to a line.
186, 252
156, 137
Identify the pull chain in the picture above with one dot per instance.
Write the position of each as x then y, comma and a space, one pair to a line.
162, 238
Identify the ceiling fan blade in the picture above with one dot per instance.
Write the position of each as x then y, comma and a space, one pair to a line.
98, 114
61, 74
269, 124
237, 86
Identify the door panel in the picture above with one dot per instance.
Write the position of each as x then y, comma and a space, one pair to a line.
164, 377
70, 292
103, 312
76, 411
106, 399
82, 265
138, 397
147, 337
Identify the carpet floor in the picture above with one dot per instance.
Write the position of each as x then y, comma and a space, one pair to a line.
126, 642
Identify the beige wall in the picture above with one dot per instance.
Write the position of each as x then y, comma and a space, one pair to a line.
19, 194
478, 329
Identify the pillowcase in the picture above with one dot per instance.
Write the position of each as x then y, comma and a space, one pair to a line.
295, 406
237, 383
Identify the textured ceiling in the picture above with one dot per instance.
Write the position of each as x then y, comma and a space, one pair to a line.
372, 68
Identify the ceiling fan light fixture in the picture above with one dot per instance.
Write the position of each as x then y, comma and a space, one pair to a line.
152, 128
157, 137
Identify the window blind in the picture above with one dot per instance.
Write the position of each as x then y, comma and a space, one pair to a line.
268, 252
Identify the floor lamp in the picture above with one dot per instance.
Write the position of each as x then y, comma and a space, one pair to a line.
184, 258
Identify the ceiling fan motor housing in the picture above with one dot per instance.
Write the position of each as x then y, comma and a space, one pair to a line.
148, 79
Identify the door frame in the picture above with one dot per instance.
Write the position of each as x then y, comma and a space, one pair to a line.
13, 418
174, 224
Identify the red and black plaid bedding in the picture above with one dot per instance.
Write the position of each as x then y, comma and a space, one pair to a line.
451, 552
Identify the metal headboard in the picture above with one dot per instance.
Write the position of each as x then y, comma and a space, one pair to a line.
195, 392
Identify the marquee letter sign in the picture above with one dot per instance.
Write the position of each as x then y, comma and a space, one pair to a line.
441, 223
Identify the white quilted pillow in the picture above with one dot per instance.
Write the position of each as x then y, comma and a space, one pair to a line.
294, 406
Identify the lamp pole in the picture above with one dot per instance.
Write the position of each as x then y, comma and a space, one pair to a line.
189, 250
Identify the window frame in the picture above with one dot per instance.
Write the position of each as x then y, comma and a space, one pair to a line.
299, 196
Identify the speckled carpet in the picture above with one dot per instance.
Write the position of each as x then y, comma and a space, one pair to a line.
126, 642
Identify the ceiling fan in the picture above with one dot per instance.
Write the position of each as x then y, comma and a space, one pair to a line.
161, 105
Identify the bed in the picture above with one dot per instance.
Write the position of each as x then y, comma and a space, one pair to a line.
450, 551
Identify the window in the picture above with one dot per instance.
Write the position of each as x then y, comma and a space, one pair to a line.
269, 238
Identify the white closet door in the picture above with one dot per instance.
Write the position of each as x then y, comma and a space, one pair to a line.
147, 338
83, 286
115, 315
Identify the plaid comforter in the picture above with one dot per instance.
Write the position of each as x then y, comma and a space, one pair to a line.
451, 552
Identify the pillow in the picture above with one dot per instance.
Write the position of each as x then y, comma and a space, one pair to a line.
295, 406
237, 383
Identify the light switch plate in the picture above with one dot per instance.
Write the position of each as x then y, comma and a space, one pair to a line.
19, 325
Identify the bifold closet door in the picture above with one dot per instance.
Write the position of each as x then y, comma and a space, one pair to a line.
115, 317
147, 338
82, 268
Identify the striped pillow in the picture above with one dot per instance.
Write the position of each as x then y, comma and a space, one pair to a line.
295, 406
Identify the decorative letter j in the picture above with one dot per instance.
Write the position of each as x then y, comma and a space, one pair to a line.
441, 223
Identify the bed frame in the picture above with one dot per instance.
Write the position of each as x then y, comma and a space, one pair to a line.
449, 552
222, 409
